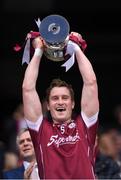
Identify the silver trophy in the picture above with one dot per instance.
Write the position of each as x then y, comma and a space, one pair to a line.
54, 29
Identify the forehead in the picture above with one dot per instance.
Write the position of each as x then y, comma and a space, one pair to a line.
25, 135
57, 91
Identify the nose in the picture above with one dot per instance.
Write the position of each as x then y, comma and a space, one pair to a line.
60, 101
25, 143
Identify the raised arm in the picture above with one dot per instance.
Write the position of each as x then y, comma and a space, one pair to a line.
31, 101
89, 98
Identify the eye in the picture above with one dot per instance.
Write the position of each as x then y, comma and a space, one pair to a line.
65, 97
29, 140
21, 142
54, 98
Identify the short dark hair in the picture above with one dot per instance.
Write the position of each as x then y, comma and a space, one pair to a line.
59, 83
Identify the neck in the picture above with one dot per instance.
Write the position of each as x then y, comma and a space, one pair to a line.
30, 159
62, 122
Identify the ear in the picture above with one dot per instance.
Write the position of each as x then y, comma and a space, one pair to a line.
73, 104
48, 108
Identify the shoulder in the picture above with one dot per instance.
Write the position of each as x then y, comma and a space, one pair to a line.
14, 173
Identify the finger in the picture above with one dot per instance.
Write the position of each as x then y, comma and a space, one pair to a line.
28, 171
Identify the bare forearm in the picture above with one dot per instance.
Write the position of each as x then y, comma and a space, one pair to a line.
89, 100
85, 67
32, 71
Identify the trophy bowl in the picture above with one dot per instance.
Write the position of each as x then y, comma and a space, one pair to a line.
54, 29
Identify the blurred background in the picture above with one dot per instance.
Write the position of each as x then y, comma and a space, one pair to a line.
99, 24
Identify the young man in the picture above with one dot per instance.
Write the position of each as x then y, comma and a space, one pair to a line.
64, 146
27, 155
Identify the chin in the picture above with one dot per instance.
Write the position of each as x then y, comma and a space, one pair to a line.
28, 154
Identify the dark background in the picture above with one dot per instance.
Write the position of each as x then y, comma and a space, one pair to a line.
100, 25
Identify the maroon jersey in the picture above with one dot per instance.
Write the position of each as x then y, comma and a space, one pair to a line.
65, 151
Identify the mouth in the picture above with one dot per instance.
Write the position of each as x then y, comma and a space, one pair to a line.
26, 150
60, 109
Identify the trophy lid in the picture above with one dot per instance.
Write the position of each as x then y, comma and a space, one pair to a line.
54, 29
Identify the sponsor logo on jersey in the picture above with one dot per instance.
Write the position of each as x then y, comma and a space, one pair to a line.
55, 139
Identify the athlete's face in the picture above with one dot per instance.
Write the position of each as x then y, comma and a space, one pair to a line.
60, 104
25, 145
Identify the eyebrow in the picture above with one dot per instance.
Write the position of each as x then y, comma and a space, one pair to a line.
22, 140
